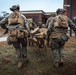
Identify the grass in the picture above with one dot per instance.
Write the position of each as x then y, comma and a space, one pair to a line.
40, 62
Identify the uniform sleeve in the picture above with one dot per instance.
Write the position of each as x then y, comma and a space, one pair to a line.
4, 21
26, 23
72, 25
47, 22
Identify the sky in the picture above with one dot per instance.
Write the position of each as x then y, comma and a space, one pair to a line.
45, 5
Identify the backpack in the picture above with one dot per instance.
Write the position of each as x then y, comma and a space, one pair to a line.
15, 18
61, 21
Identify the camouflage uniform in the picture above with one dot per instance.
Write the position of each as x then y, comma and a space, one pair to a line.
21, 45
21, 51
58, 42
49, 19
47, 24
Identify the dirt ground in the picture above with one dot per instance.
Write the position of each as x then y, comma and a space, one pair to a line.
40, 61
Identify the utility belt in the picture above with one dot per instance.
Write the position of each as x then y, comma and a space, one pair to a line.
16, 32
60, 36
60, 29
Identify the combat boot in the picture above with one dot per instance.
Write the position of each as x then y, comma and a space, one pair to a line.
56, 64
20, 64
61, 62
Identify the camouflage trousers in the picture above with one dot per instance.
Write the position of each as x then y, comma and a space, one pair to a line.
21, 48
57, 46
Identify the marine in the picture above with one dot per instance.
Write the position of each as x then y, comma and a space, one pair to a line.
47, 24
18, 32
57, 31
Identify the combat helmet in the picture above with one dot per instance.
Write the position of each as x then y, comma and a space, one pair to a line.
15, 7
53, 14
59, 10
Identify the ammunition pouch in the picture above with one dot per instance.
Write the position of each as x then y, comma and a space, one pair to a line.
26, 34
13, 35
20, 34
13, 39
17, 30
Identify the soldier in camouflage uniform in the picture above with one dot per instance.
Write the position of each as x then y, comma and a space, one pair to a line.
21, 44
58, 35
49, 19
47, 24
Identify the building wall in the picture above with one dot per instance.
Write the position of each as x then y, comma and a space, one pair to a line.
68, 8
74, 8
66, 2
38, 17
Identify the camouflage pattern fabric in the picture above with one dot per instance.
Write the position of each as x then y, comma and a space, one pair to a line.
21, 52
57, 46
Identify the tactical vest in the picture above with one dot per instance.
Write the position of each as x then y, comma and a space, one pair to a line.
15, 18
60, 26
61, 21
16, 27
